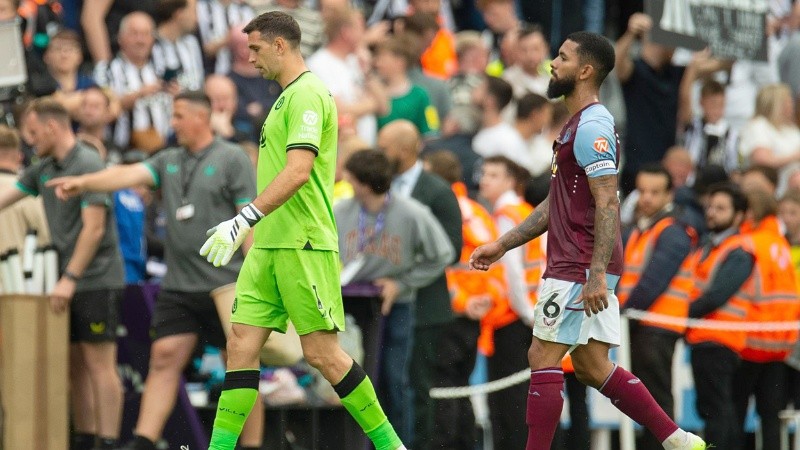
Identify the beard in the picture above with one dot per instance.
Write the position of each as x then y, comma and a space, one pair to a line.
560, 87
719, 228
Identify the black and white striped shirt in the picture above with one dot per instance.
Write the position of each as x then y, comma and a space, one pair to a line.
183, 55
214, 20
123, 77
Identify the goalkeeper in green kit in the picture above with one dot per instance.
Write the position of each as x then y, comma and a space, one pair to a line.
292, 270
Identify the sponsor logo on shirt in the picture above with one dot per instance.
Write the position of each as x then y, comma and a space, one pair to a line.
310, 118
601, 145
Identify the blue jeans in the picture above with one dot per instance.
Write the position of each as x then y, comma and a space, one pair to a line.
396, 395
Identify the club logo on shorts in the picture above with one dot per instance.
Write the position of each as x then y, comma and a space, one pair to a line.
97, 327
310, 118
235, 305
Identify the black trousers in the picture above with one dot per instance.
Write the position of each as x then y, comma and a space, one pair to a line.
454, 421
507, 407
424, 376
714, 368
768, 383
652, 351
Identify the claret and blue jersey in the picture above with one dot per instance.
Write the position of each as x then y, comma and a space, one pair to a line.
587, 147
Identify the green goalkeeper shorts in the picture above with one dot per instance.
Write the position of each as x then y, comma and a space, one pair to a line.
277, 285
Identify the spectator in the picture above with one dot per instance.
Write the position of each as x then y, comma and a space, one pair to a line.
473, 56
143, 123
400, 247
789, 59
541, 148
63, 78
401, 143
359, 96
256, 94
27, 214
102, 24
93, 117
759, 179
215, 19
222, 93
497, 137
473, 294
439, 50
534, 114
90, 268
531, 71
653, 253
176, 53
501, 22
772, 138
312, 27
421, 28
650, 87
789, 215
459, 129
393, 59
709, 137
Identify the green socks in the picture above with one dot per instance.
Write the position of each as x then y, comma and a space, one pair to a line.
359, 399
239, 394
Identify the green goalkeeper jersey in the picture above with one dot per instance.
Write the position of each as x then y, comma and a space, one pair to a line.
302, 119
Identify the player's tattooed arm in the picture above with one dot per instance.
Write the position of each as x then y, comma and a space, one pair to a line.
530, 228
606, 221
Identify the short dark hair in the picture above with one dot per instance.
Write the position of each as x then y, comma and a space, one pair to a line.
500, 89
530, 103
711, 87
657, 169
445, 164
420, 22
66, 35
596, 51
733, 191
770, 173
48, 108
526, 29
519, 173
372, 168
275, 24
197, 97
165, 9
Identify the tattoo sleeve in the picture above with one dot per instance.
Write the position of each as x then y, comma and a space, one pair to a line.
606, 221
530, 228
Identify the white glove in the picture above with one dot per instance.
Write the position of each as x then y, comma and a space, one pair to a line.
225, 238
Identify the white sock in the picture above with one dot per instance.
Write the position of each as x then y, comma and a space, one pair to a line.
676, 440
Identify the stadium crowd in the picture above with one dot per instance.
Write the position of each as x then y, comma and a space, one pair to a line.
445, 142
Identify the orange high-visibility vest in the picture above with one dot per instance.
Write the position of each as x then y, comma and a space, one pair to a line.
439, 60
736, 309
638, 252
501, 313
773, 294
477, 229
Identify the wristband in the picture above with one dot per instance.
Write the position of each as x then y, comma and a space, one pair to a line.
70, 276
251, 214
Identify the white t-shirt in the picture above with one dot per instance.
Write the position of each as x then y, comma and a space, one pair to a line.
524, 83
502, 139
784, 141
345, 80
541, 154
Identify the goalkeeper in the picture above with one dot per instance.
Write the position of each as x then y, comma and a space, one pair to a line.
203, 180
292, 270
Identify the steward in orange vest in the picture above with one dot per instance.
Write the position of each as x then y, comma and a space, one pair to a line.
716, 280
773, 297
654, 252
506, 328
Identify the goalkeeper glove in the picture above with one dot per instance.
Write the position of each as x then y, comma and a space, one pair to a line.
225, 238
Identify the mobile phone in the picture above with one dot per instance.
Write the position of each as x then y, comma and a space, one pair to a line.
171, 74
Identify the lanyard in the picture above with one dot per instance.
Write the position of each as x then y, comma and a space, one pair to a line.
186, 181
380, 221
